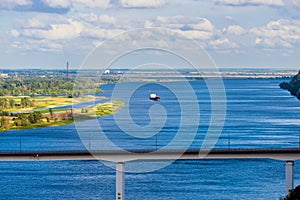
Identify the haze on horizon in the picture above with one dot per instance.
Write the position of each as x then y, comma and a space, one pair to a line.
46, 34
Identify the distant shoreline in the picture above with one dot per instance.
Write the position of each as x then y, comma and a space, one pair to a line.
161, 78
152, 74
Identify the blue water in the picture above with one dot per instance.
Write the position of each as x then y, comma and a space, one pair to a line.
259, 115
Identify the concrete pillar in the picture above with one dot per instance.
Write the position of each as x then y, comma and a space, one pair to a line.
120, 181
289, 176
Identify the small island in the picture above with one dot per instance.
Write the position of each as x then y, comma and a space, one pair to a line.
293, 86
43, 102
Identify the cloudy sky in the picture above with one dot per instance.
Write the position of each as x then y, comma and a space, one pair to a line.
235, 33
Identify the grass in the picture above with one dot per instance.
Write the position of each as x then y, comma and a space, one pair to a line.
108, 108
42, 102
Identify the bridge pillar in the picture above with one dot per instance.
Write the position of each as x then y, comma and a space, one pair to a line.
120, 181
289, 176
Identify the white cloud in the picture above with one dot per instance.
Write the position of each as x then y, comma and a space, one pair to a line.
40, 21
296, 2
234, 30
222, 44
272, 43
98, 33
10, 4
87, 17
56, 31
185, 23
280, 33
194, 34
95, 3
58, 3
142, 3
250, 2
15, 33
258, 41
148, 24
107, 19
38, 45
95, 19
68, 3
190, 27
35, 23
54, 27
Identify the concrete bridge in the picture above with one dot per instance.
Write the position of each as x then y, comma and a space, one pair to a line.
120, 157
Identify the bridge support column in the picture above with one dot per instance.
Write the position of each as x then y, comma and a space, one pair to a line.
120, 181
289, 176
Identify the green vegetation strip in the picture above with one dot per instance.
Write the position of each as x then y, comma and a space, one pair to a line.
57, 117
33, 126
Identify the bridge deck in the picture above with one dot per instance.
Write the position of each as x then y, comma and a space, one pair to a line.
124, 156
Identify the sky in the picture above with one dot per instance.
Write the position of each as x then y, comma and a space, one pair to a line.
234, 33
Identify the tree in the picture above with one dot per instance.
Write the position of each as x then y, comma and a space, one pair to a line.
35, 117
77, 94
25, 102
51, 112
12, 103
23, 119
4, 123
49, 86
293, 86
293, 195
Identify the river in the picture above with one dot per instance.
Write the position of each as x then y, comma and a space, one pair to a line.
259, 115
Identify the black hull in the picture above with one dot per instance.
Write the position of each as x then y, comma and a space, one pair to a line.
155, 99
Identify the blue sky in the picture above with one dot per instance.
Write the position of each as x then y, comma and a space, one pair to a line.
235, 33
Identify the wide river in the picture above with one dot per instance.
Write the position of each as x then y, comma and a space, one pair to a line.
258, 115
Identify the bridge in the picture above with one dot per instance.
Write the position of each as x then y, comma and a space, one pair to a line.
120, 157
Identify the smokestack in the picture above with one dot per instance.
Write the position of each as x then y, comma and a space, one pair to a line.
67, 70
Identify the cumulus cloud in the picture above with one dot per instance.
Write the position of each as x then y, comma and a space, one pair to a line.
107, 19
15, 33
40, 21
222, 44
234, 30
53, 32
58, 3
142, 3
95, 19
10, 4
280, 33
54, 27
56, 31
190, 27
296, 2
250, 2
38, 45
68, 3
99, 33
95, 3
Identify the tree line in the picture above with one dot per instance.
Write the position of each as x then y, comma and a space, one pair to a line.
8, 103
20, 119
32, 118
293, 86
48, 86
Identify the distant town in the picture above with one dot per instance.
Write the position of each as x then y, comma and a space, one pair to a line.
124, 74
